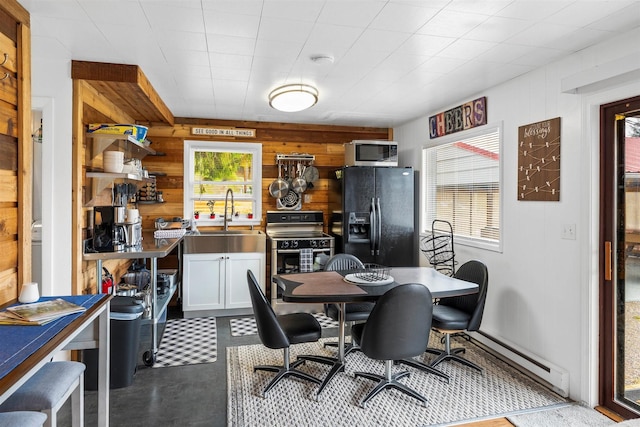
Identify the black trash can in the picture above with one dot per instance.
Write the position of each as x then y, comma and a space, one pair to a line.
125, 317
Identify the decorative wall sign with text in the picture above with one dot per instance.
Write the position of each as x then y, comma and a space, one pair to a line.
462, 117
232, 132
539, 161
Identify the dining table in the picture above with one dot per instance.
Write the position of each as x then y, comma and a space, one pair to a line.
24, 349
343, 287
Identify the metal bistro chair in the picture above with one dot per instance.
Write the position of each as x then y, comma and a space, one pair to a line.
459, 314
354, 312
280, 332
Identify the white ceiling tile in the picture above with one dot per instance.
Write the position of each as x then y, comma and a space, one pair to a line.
189, 58
182, 40
623, 20
243, 7
475, 6
466, 49
581, 13
402, 17
542, 34
173, 17
421, 44
329, 37
498, 29
380, 40
452, 24
278, 29
299, 10
231, 24
533, 10
278, 49
350, 13
221, 58
229, 44
538, 55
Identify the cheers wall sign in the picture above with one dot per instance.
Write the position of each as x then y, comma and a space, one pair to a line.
463, 117
539, 161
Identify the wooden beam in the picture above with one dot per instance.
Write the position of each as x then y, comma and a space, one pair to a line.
125, 86
25, 154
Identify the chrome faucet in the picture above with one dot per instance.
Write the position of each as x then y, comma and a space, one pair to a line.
233, 209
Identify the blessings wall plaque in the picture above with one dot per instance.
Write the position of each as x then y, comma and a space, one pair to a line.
539, 161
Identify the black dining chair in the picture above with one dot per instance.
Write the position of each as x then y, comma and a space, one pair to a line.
354, 312
462, 313
397, 328
279, 332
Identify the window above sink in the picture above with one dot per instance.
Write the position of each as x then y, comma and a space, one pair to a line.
211, 169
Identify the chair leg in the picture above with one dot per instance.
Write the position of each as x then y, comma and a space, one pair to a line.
77, 404
284, 371
423, 367
452, 354
388, 380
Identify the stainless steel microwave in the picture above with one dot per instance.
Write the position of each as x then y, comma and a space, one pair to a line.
371, 153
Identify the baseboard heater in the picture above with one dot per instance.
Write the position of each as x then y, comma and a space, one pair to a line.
554, 377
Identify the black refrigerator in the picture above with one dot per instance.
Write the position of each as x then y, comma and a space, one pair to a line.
373, 214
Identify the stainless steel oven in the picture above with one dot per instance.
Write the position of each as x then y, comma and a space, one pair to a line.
295, 239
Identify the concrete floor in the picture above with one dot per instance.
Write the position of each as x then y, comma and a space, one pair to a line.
194, 395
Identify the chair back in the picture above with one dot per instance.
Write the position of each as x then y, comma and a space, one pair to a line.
269, 329
343, 262
399, 324
474, 272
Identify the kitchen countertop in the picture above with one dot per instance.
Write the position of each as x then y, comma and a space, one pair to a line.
151, 248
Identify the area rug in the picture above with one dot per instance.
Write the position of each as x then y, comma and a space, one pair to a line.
247, 325
188, 342
498, 391
566, 416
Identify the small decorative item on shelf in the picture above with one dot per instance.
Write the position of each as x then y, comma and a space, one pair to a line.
211, 204
212, 215
196, 215
250, 215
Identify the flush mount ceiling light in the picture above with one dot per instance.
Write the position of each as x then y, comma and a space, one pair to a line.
293, 97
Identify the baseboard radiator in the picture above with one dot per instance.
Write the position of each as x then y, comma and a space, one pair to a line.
554, 377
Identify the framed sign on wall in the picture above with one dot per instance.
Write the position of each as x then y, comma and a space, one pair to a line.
539, 161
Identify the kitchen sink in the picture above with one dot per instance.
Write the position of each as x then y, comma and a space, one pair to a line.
225, 241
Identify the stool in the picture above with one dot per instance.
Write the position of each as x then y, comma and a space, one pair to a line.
47, 391
22, 419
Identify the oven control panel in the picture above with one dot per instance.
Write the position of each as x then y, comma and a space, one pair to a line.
319, 243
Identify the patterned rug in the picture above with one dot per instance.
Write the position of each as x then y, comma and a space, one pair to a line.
247, 325
469, 396
188, 342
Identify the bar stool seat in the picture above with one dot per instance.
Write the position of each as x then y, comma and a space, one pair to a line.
22, 419
49, 389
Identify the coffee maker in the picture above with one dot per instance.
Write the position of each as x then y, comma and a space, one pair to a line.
109, 233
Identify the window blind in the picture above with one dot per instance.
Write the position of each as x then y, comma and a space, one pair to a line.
462, 186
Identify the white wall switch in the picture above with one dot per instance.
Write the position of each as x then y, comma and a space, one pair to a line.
568, 231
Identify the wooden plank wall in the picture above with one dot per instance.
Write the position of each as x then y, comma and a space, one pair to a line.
15, 150
325, 142
89, 107
322, 141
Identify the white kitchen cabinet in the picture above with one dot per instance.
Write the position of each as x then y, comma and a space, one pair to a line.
215, 284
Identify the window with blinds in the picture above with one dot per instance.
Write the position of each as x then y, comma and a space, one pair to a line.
462, 184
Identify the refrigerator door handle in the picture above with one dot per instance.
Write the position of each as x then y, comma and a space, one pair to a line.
379, 224
373, 230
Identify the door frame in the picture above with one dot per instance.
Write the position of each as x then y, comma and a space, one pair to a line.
607, 233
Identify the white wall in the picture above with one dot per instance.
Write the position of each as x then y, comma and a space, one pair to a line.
52, 90
542, 288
